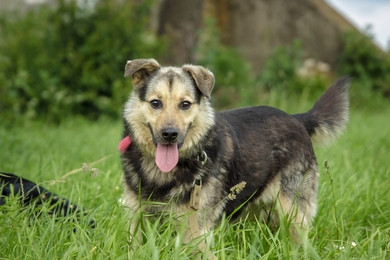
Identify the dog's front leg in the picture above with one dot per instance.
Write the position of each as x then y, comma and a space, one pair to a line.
132, 204
135, 230
196, 227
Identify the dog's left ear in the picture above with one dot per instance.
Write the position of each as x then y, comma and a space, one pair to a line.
204, 79
140, 70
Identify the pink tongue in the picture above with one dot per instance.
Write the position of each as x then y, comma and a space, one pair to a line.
167, 156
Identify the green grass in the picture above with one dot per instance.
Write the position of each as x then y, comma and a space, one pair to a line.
353, 219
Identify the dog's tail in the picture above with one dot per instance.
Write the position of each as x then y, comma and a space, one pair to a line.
329, 115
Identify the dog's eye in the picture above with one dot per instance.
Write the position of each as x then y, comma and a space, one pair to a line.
156, 104
185, 105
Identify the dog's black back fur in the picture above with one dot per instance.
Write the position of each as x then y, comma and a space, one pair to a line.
263, 140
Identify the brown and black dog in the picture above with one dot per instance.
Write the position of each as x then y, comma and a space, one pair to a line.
249, 159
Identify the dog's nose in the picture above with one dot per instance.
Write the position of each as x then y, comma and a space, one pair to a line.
169, 134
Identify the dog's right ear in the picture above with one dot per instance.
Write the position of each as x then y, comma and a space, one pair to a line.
140, 70
204, 79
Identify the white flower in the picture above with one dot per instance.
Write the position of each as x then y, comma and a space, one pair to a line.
341, 248
122, 201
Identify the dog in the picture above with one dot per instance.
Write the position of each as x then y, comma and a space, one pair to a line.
177, 151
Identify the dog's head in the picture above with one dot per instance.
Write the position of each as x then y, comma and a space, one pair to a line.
169, 111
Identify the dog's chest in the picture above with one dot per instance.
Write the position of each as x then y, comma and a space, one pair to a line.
152, 184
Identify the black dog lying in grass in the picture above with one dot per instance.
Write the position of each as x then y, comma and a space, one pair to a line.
30, 193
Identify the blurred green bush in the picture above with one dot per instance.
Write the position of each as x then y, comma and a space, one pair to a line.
287, 70
234, 82
368, 65
66, 59
279, 70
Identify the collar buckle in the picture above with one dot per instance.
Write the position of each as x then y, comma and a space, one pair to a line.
202, 157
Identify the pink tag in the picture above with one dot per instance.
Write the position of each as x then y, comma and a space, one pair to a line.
124, 144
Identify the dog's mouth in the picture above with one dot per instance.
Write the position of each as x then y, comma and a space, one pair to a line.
167, 156
167, 149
